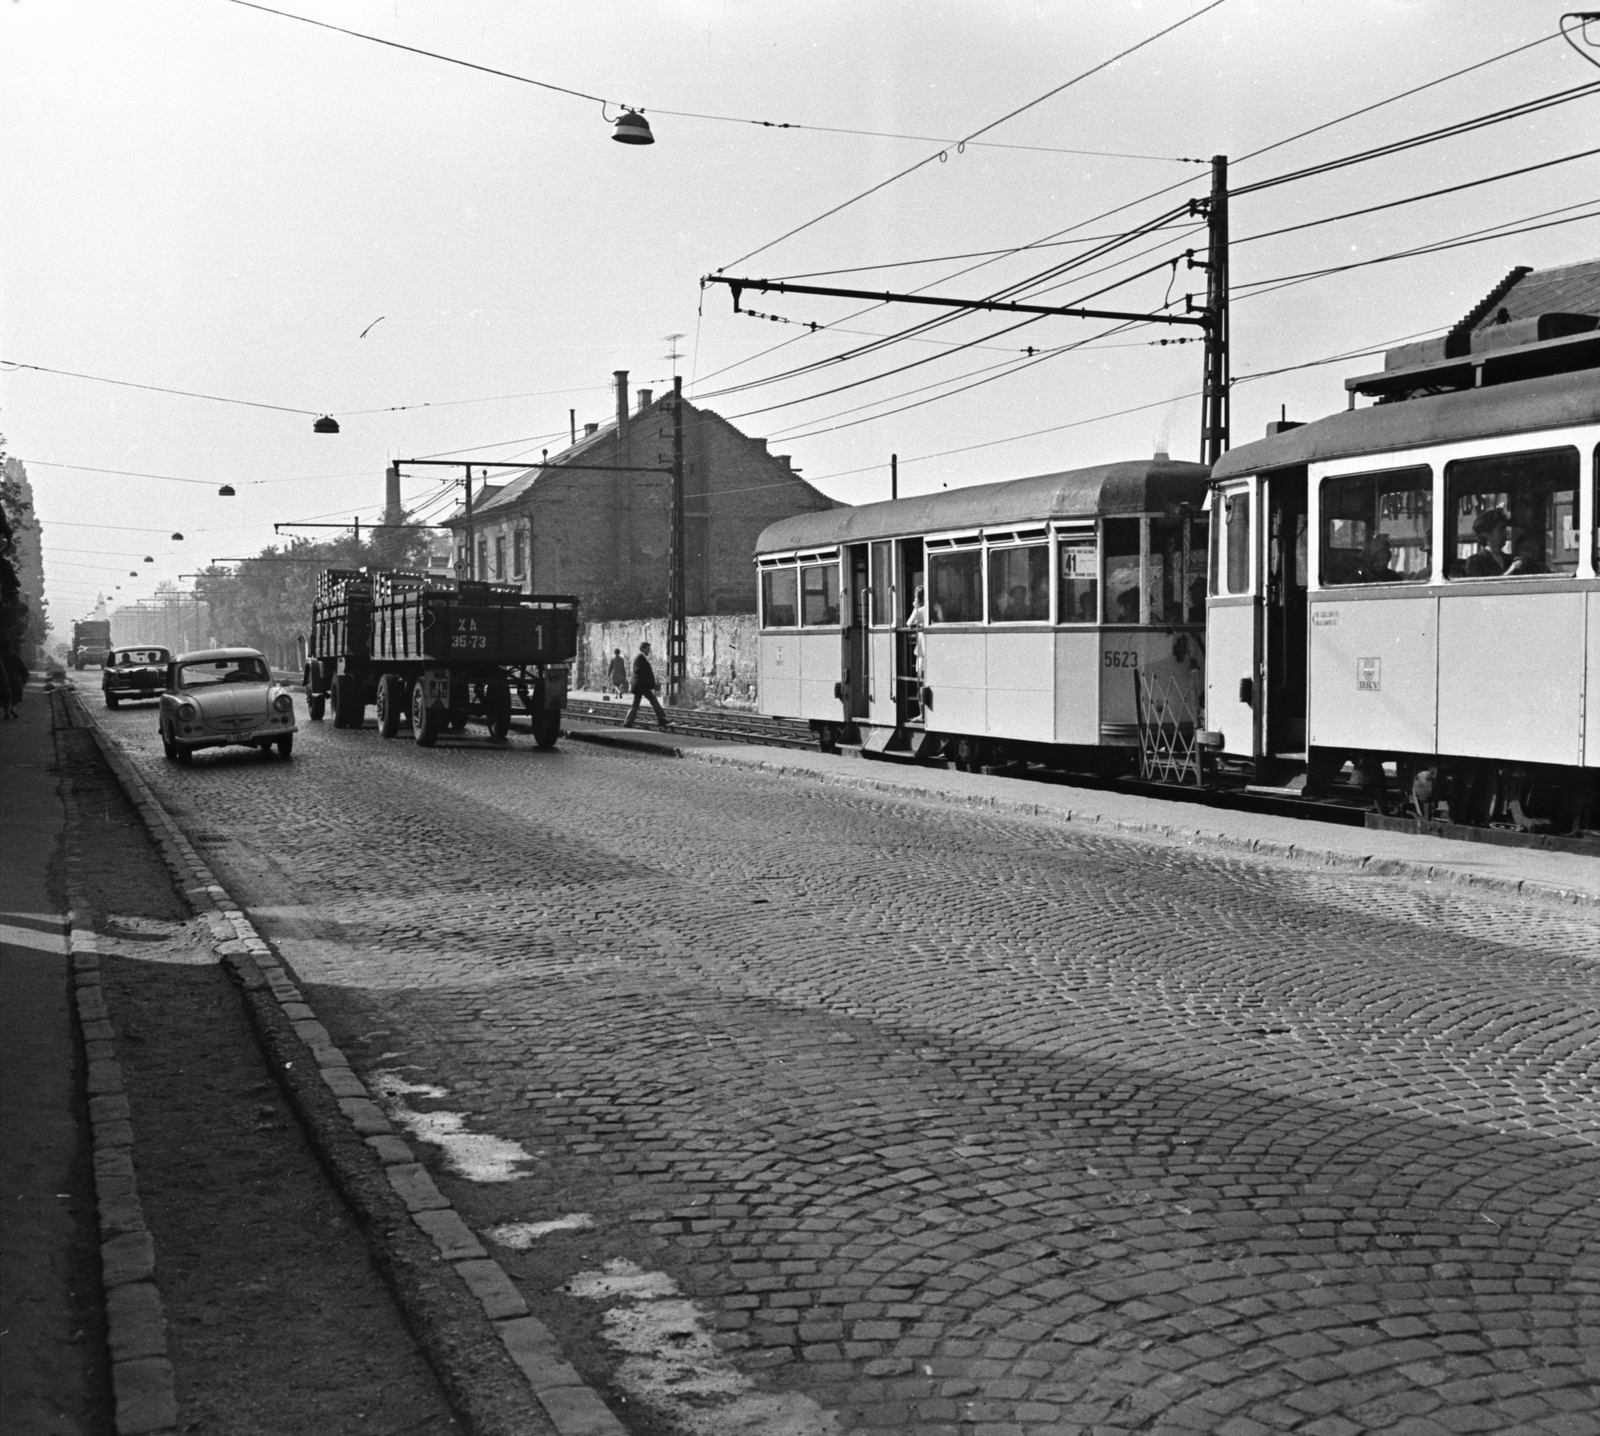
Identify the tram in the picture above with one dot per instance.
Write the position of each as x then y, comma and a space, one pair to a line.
1407, 592
1411, 586
1003, 622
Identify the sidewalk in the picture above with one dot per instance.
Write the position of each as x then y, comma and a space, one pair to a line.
1564, 877
53, 1377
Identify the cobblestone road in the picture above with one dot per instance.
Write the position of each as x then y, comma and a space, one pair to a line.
950, 1121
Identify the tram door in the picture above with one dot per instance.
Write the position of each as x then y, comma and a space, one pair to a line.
1283, 649
854, 690
908, 678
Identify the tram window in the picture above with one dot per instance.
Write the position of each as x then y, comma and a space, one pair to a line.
1080, 578
778, 593
1019, 584
882, 586
1122, 570
955, 581
1235, 540
819, 595
1170, 578
1378, 528
1513, 515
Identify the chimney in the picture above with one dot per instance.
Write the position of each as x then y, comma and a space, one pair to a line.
622, 402
645, 396
391, 495
1161, 454
590, 430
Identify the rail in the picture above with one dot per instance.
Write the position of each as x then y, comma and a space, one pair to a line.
729, 725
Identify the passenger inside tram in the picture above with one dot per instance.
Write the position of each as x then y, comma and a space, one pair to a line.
1375, 561
1527, 555
1489, 531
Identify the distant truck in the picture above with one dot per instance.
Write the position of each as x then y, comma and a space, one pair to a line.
91, 641
437, 653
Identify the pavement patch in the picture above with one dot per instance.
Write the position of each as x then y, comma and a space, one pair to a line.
521, 1235
477, 1156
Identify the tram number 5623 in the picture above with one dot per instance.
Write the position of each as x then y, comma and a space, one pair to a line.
1123, 658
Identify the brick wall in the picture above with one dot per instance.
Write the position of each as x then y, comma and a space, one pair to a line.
604, 536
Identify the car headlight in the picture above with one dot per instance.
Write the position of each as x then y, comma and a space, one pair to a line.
188, 711
283, 703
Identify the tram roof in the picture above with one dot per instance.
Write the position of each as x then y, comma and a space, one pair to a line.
1139, 487
1554, 401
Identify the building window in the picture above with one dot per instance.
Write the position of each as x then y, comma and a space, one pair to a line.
519, 553
483, 559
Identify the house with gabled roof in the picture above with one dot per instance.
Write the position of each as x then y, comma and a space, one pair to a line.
559, 527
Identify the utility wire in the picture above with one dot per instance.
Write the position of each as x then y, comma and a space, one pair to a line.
1010, 115
155, 388
699, 115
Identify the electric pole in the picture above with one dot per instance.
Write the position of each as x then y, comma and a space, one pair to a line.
677, 623
1214, 415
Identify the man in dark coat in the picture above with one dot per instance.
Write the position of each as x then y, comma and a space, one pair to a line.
644, 686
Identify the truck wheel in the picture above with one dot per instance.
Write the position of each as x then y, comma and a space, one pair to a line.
457, 720
424, 720
316, 705
497, 707
338, 700
391, 700
547, 727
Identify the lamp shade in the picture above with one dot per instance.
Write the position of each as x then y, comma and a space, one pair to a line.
226, 491
632, 129
327, 424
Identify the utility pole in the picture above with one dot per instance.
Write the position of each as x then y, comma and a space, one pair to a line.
894, 476
472, 553
1214, 415
677, 623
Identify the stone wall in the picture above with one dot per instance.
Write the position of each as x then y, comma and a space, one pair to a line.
720, 657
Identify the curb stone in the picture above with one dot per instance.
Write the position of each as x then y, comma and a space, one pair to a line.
1291, 852
518, 1384
142, 1383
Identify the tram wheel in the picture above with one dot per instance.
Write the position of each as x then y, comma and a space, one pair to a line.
827, 739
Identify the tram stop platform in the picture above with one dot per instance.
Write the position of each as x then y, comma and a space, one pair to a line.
1531, 872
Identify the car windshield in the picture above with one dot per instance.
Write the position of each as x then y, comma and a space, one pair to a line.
129, 656
204, 673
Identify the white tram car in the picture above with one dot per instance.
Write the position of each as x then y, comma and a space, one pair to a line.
1043, 598
1413, 584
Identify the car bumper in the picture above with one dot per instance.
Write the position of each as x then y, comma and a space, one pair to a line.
251, 737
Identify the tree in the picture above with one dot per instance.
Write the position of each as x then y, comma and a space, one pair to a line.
266, 602
22, 624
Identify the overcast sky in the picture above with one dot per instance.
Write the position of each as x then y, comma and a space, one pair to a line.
202, 196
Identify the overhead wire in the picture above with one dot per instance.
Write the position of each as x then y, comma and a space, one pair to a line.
993, 124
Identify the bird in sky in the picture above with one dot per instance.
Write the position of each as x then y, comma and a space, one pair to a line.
375, 323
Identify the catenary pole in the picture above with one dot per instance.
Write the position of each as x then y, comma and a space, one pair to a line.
1215, 417
677, 622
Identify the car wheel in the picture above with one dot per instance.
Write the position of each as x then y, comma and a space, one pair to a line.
286, 745
424, 720
112, 700
547, 727
391, 703
185, 756
168, 746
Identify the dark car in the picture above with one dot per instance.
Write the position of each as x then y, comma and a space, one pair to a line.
134, 674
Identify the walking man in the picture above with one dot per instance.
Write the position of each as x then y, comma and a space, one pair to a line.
617, 674
644, 686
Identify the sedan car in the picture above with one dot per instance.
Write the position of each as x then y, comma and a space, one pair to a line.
224, 697
134, 674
